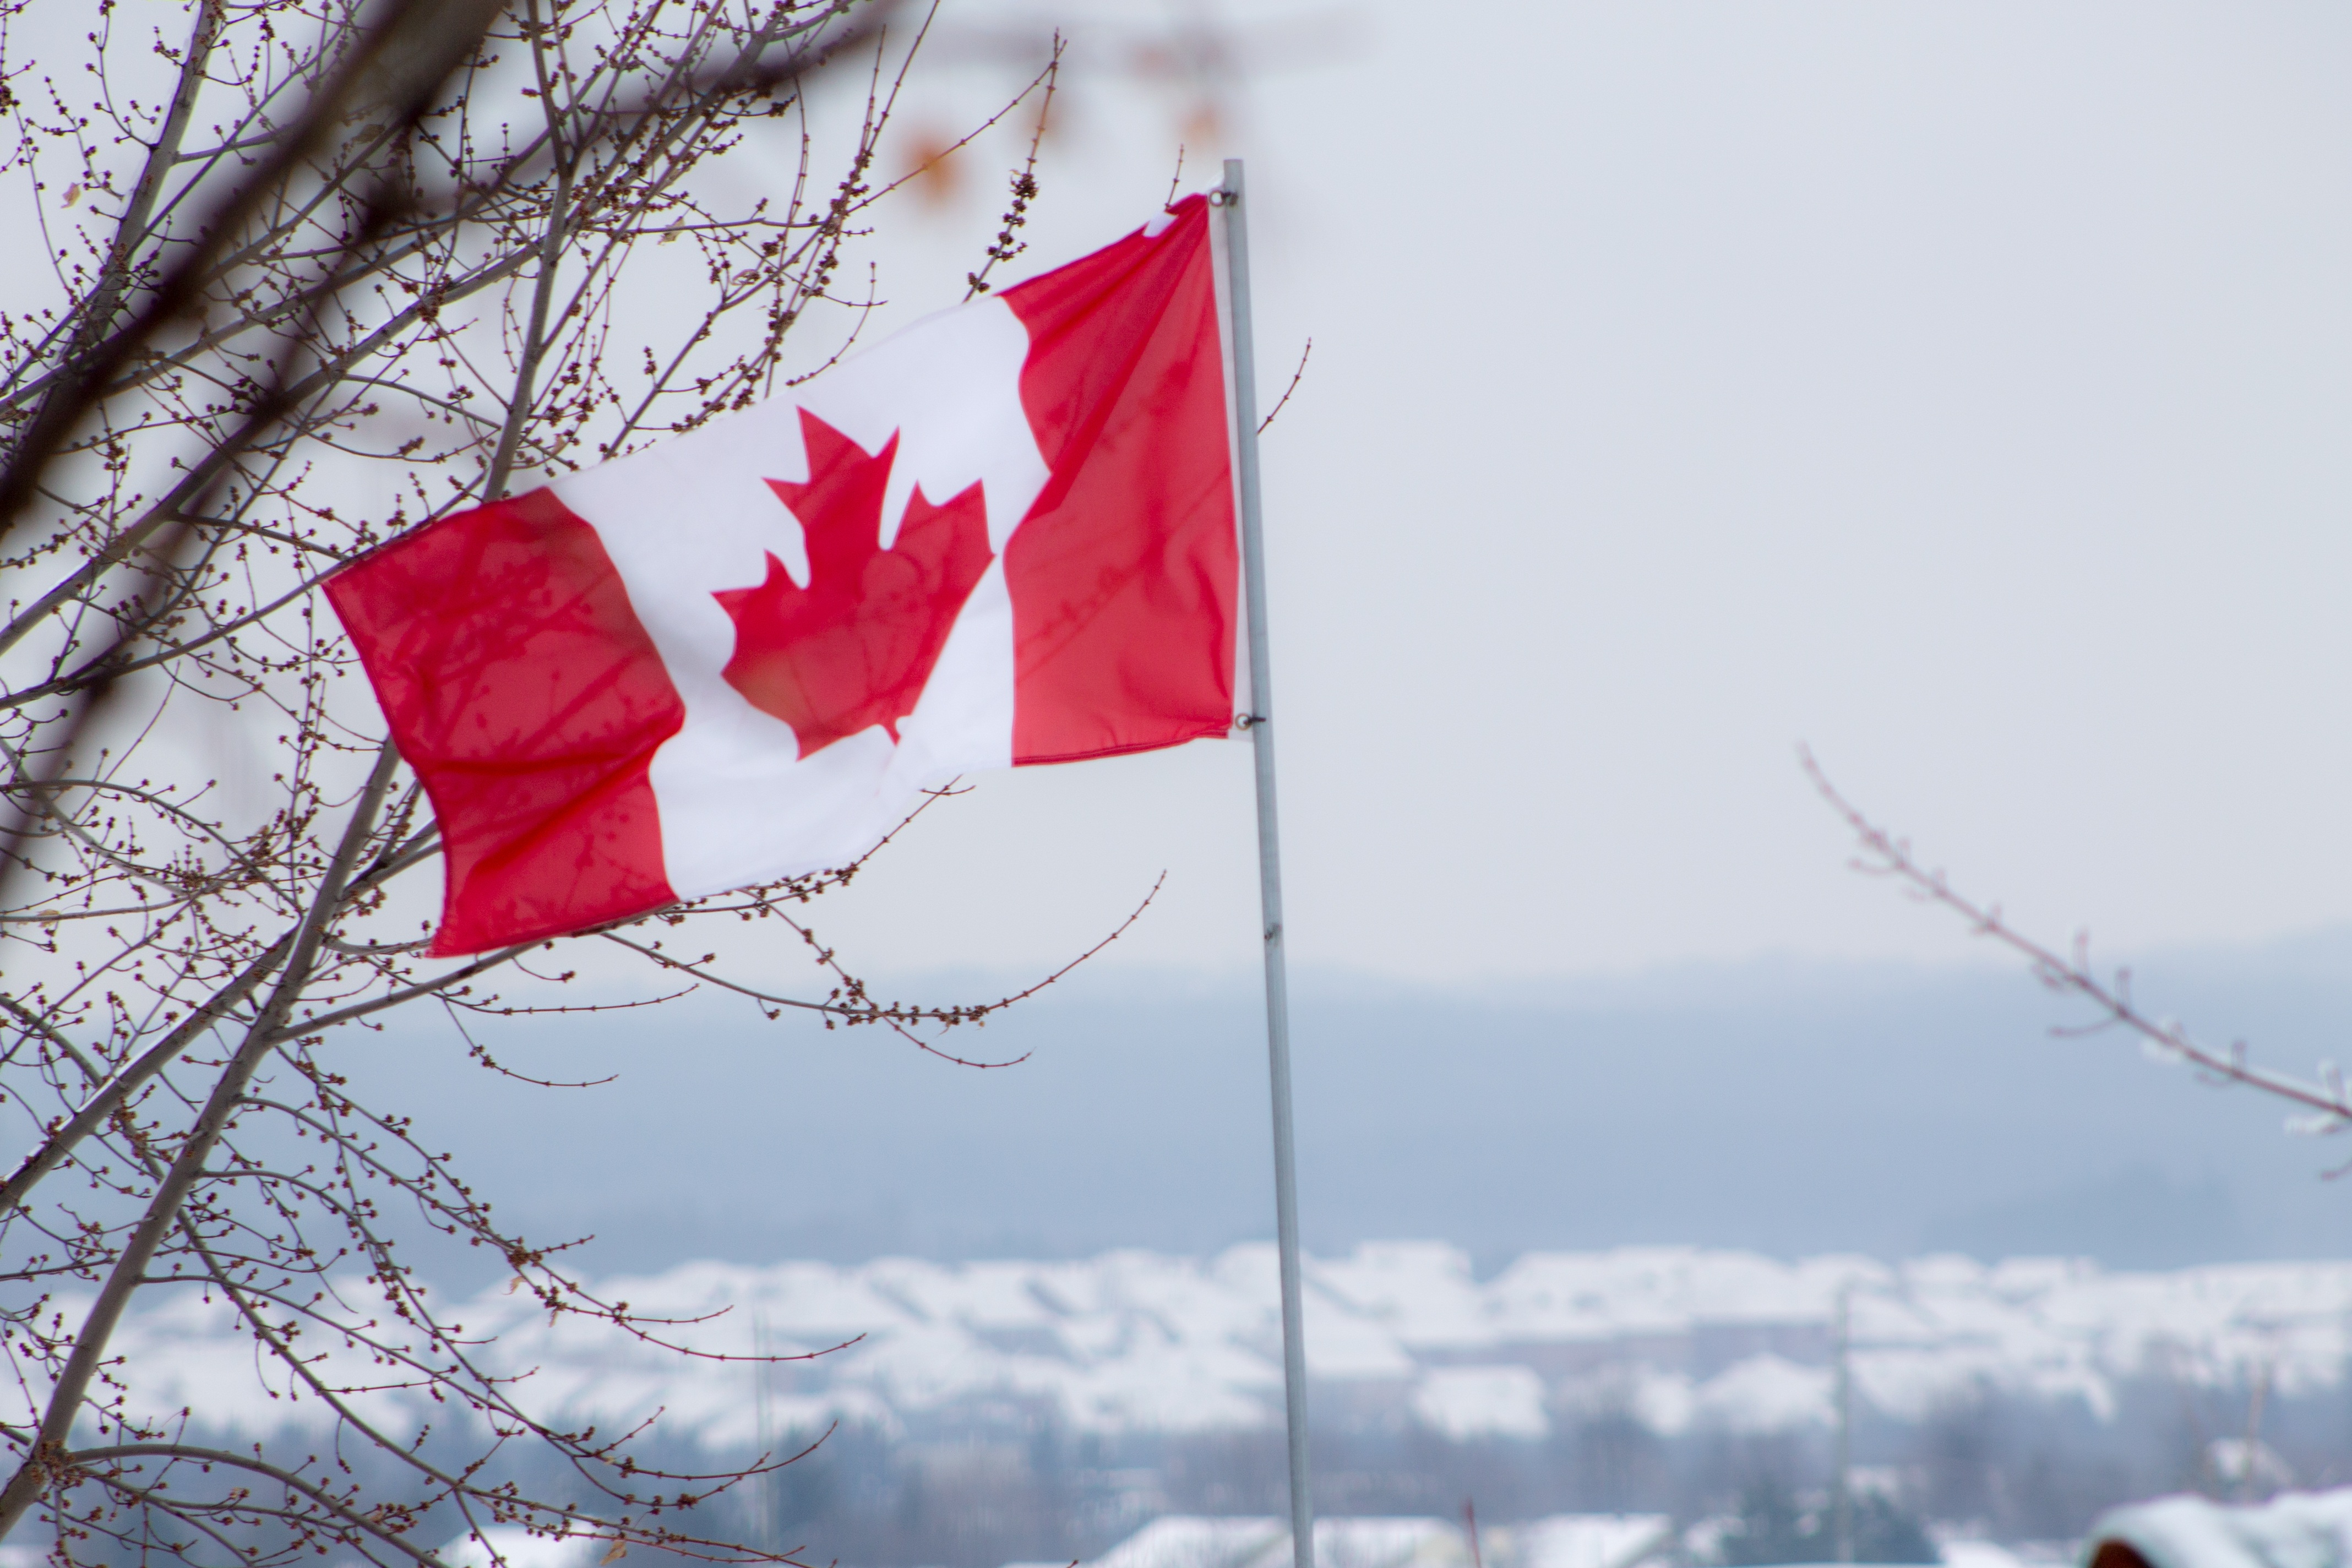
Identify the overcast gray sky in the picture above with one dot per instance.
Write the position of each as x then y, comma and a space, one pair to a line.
1958, 388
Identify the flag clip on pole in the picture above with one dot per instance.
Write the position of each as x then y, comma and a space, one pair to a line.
1269, 857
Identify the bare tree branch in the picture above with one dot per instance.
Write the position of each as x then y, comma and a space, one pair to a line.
2324, 1099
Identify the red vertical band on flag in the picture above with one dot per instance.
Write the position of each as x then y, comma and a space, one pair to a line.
524, 691
1124, 576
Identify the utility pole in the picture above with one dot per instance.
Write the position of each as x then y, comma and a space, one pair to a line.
764, 1523
1845, 1493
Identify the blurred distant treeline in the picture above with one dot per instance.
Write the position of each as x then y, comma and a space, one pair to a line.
2013, 1469
997, 1485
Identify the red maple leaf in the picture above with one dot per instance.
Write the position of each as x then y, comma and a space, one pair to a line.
854, 649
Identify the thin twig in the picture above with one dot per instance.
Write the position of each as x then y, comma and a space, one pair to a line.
1284, 400
1885, 855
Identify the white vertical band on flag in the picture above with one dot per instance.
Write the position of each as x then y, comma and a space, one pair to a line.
692, 518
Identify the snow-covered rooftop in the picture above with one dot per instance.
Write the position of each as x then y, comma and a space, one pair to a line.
1562, 1540
1136, 1342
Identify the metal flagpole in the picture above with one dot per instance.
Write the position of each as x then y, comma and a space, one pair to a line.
1269, 859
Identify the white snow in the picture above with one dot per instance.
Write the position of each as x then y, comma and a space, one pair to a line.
515, 1547
2296, 1530
1185, 1540
1586, 1541
1132, 1342
1964, 1553
1765, 1394
1562, 1540
1482, 1402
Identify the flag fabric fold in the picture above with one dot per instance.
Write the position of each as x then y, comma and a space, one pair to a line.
1004, 536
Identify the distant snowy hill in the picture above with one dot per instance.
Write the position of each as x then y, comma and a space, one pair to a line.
1398, 1334
1787, 1108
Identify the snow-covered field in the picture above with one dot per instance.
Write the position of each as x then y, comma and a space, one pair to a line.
1397, 1332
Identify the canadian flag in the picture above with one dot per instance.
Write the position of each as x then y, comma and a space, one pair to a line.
1004, 536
